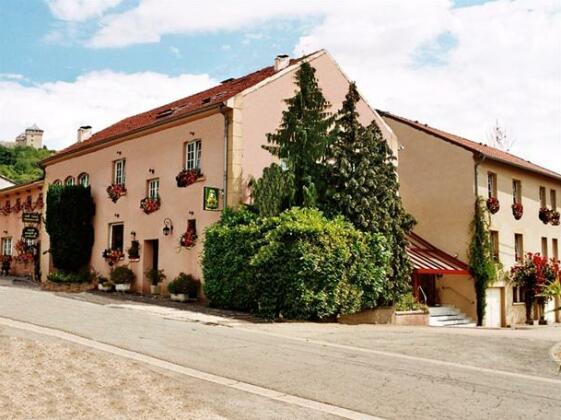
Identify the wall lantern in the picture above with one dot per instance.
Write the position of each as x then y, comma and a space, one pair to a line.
168, 227
133, 235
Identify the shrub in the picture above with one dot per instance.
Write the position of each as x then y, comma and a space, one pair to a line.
70, 210
83, 276
155, 276
229, 246
122, 275
408, 302
184, 284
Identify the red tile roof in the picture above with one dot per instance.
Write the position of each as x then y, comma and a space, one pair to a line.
488, 151
199, 101
427, 259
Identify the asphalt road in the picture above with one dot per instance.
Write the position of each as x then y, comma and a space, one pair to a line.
392, 373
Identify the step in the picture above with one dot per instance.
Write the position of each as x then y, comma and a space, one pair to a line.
443, 311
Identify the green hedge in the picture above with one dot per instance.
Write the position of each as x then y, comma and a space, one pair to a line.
70, 210
300, 265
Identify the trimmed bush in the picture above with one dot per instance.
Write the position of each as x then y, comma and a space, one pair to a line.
300, 265
122, 275
83, 276
184, 284
70, 210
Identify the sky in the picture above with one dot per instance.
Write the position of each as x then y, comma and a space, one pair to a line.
458, 65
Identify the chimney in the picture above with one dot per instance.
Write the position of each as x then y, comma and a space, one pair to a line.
84, 133
281, 62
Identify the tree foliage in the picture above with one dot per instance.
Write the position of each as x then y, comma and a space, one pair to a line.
70, 210
481, 262
274, 191
21, 163
304, 134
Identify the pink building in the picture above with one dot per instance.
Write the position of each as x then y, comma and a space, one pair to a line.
183, 162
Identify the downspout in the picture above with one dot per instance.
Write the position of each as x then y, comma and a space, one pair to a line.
223, 110
482, 158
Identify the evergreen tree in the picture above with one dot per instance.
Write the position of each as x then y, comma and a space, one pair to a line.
273, 192
363, 187
302, 139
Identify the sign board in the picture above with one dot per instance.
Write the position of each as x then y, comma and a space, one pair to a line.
211, 198
29, 217
30, 232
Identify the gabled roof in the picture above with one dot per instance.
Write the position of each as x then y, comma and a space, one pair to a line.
206, 99
480, 148
427, 259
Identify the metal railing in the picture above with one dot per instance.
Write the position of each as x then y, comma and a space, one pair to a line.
424, 295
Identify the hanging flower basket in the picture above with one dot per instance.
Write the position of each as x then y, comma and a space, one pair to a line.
116, 191
555, 217
150, 205
188, 239
545, 215
517, 210
111, 256
493, 204
187, 177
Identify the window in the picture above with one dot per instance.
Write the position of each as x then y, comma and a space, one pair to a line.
116, 236
518, 247
553, 199
543, 200
154, 188
193, 155
70, 181
57, 182
516, 191
495, 244
544, 248
84, 180
7, 246
119, 172
555, 248
492, 184
518, 294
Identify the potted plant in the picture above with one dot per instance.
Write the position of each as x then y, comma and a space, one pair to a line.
184, 287
116, 191
187, 177
493, 205
188, 239
134, 251
104, 284
545, 215
156, 277
122, 277
517, 210
555, 218
150, 205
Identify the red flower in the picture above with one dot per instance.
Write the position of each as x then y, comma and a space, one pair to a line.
493, 204
149, 205
187, 177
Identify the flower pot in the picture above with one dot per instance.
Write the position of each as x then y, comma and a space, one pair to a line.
180, 297
123, 287
155, 290
104, 288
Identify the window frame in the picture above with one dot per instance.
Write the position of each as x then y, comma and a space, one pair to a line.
70, 181
197, 155
518, 295
122, 177
518, 247
495, 244
7, 240
57, 182
492, 184
110, 244
544, 246
553, 199
543, 197
81, 177
516, 191
149, 189
555, 248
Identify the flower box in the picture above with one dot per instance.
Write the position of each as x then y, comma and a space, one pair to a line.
517, 210
111, 256
545, 215
188, 239
187, 177
555, 218
116, 191
105, 287
150, 205
493, 205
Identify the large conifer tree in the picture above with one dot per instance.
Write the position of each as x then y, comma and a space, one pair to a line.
302, 139
363, 187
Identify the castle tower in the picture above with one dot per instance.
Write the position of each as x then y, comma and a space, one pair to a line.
32, 137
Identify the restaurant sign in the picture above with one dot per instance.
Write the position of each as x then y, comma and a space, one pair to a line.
31, 217
30, 232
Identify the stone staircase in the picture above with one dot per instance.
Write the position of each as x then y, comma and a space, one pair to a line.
448, 316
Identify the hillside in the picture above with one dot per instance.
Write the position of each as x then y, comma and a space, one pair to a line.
21, 163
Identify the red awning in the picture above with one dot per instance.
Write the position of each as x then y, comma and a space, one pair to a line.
427, 259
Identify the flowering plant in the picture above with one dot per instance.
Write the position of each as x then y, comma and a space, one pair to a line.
111, 256
188, 239
25, 252
545, 215
493, 204
116, 191
555, 218
17, 207
187, 177
150, 205
517, 210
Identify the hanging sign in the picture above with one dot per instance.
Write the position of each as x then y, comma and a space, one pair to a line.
31, 217
30, 232
211, 198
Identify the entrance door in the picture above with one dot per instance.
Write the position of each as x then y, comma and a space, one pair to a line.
493, 308
428, 284
150, 261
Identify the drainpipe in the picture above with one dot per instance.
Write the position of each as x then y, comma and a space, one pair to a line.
223, 110
482, 158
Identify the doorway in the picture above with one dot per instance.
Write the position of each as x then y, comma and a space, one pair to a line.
427, 289
493, 311
151, 261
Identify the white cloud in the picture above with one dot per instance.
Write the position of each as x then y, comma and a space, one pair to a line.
98, 98
80, 10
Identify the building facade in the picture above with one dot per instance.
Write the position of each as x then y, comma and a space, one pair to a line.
440, 177
171, 170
